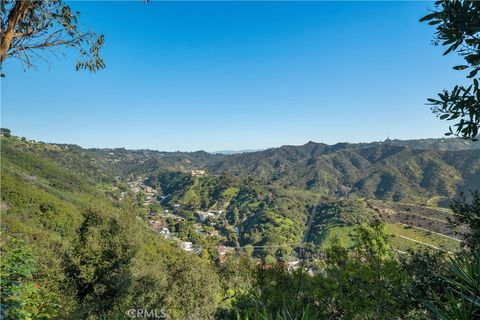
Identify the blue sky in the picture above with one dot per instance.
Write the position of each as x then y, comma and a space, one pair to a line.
237, 75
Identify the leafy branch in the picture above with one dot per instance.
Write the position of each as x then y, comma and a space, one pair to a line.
458, 28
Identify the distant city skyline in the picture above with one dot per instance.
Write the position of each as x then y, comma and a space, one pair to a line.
238, 75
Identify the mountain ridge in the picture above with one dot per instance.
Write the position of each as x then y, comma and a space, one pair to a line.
413, 170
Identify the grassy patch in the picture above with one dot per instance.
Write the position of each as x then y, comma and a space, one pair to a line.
231, 192
427, 237
337, 233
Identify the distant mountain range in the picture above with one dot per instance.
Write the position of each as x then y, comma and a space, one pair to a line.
379, 170
226, 152
451, 144
389, 170
433, 144
267, 195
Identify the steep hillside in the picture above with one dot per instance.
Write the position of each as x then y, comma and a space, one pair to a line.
387, 172
72, 239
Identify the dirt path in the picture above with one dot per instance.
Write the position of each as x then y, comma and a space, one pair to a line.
426, 244
434, 232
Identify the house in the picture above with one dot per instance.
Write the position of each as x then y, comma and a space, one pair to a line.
290, 265
203, 215
199, 228
213, 233
311, 272
198, 173
150, 190
186, 245
293, 265
164, 232
197, 250
223, 252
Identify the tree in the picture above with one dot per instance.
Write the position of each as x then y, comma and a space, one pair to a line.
466, 216
6, 132
23, 296
361, 282
236, 277
99, 262
31, 29
458, 28
365, 281
427, 270
248, 250
193, 288
457, 296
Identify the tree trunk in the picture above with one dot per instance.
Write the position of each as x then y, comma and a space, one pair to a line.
15, 14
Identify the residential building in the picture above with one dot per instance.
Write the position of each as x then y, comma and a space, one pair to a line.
186, 245
223, 252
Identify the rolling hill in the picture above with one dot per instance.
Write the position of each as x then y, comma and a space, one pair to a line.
383, 171
268, 196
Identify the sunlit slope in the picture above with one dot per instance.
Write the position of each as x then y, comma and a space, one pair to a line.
419, 227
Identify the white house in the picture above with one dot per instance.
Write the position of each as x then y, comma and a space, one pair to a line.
203, 216
186, 245
164, 232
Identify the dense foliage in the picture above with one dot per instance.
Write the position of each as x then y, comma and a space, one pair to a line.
467, 213
71, 251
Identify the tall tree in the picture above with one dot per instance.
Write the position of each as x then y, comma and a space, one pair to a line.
365, 281
99, 262
24, 295
466, 216
458, 28
32, 29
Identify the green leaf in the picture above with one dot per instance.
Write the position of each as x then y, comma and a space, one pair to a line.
473, 59
429, 16
462, 67
473, 73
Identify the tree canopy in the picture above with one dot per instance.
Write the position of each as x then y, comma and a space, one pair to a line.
31, 31
458, 28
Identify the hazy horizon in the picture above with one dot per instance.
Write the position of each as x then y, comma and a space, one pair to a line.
230, 150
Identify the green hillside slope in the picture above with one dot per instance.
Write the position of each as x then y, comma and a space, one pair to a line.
46, 207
